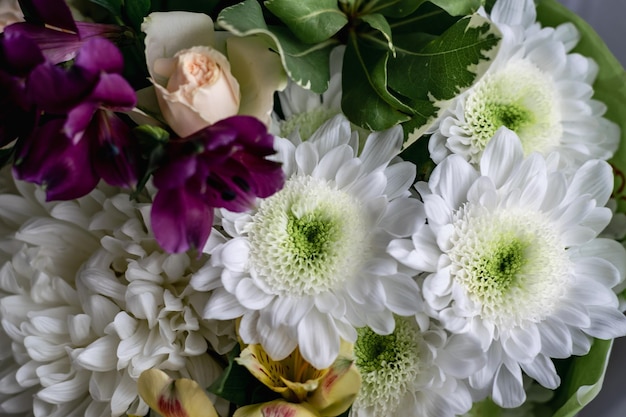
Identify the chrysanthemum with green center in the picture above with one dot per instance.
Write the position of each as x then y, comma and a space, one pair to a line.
408, 372
511, 255
536, 88
309, 265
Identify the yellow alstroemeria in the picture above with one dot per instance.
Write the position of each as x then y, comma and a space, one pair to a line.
174, 397
276, 408
329, 392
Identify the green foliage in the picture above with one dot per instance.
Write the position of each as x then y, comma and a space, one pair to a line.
306, 64
311, 21
151, 141
112, 6
582, 378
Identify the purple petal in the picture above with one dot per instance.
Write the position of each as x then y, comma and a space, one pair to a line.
228, 191
56, 90
180, 220
176, 171
51, 12
16, 116
251, 132
114, 92
78, 119
100, 55
114, 156
55, 45
19, 54
264, 177
235, 186
50, 159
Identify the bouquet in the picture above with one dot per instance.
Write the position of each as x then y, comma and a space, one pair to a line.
311, 208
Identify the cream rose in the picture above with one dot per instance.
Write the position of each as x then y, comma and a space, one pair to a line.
200, 89
201, 76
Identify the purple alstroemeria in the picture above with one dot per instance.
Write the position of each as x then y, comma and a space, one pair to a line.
221, 166
50, 159
83, 98
59, 36
19, 55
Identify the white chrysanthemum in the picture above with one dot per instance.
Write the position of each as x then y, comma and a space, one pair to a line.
535, 405
303, 111
308, 265
536, 88
412, 372
90, 301
514, 258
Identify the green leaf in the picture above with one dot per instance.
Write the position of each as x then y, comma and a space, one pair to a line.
136, 10
151, 141
449, 64
312, 21
403, 8
379, 23
239, 386
365, 98
399, 8
610, 84
458, 7
307, 65
112, 6
442, 69
582, 379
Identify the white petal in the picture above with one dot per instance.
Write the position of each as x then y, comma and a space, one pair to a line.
381, 147
330, 163
606, 323
402, 295
508, 389
278, 341
318, 339
66, 391
250, 296
99, 356
223, 306
543, 371
594, 178
502, 155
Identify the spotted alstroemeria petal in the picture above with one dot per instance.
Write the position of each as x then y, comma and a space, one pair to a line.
276, 408
174, 398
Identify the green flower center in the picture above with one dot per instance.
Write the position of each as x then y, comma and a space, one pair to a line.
497, 271
311, 235
308, 238
520, 97
388, 365
511, 262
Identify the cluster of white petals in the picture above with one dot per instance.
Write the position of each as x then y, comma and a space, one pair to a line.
415, 371
513, 257
89, 301
536, 87
308, 265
